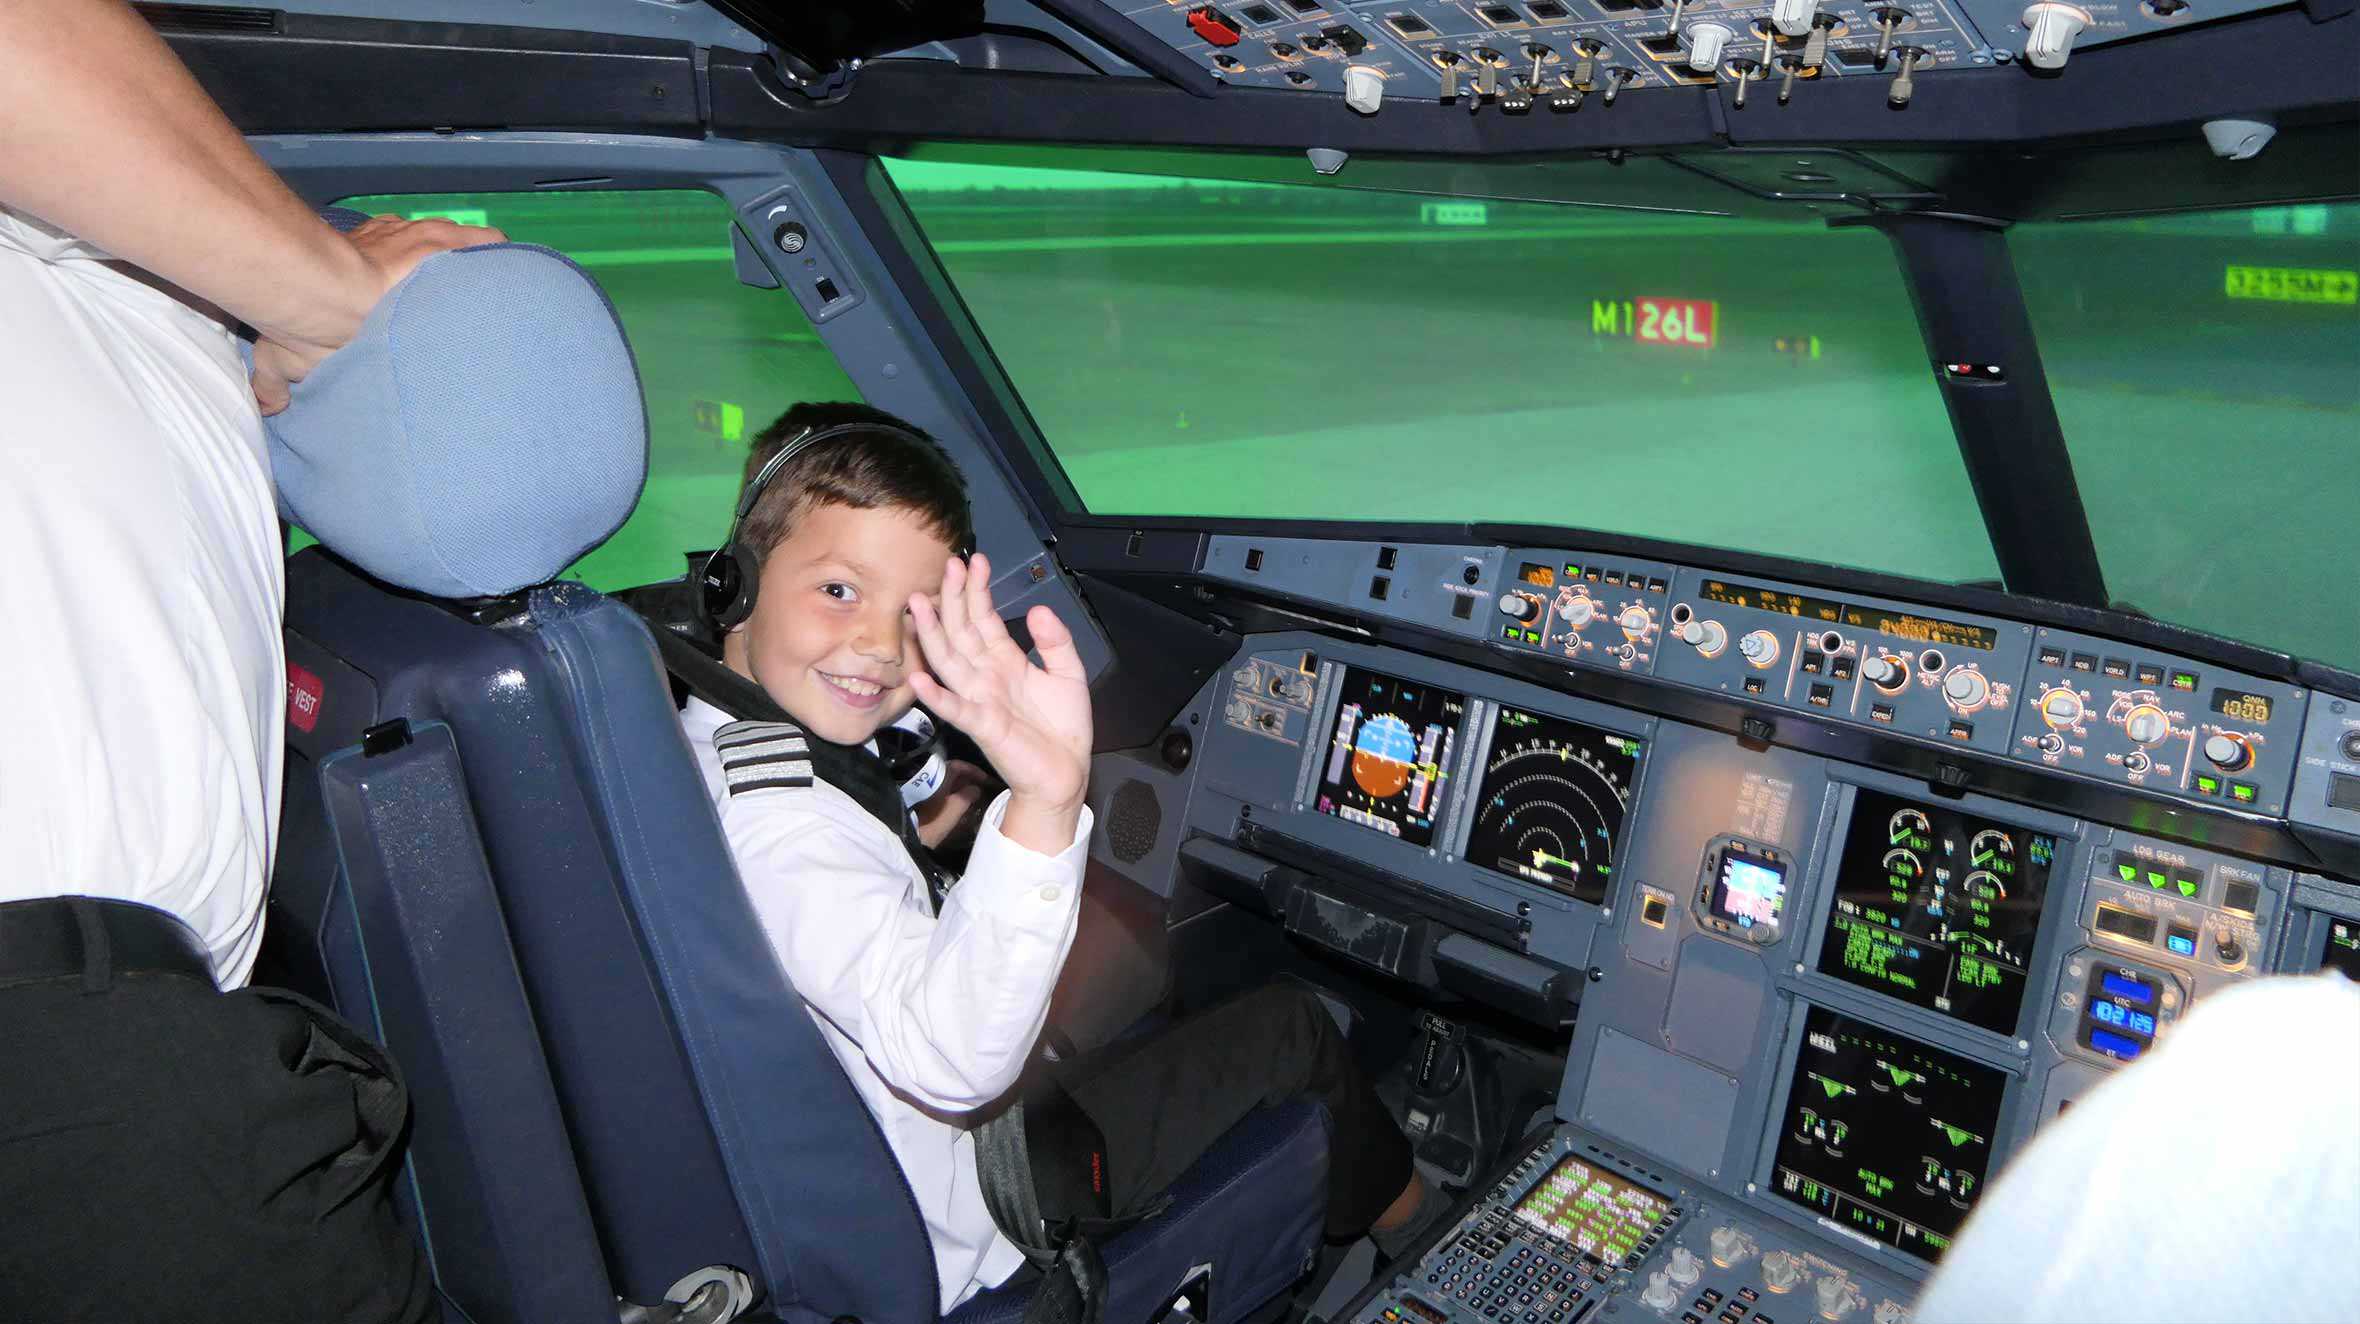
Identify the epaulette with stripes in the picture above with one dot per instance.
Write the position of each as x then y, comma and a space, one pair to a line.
762, 756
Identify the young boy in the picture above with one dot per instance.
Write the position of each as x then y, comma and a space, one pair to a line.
862, 607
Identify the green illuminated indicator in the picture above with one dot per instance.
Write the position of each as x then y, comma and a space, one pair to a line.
1572, 571
2208, 785
2183, 680
2189, 886
2157, 880
2129, 872
1900, 1077
1833, 1087
1957, 1137
2241, 791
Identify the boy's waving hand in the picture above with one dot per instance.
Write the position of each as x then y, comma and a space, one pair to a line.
1032, 722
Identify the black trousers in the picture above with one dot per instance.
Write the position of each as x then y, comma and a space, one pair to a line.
1163, 1100
170, 1152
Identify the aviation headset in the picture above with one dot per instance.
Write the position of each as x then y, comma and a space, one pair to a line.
911, 746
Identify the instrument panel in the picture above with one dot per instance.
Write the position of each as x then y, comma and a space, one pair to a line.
1828, 1002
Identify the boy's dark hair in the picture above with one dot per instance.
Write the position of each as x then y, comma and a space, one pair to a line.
888, 464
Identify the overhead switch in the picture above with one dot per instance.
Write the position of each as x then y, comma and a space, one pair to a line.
1364, 88
1793, 18
2051, 28
1705, 41
1209, 23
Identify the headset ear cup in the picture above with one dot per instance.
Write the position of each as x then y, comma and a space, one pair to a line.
725, 591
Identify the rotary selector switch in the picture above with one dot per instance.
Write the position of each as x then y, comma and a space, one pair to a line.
1838, 1296
1759, 648
1708, 638
2062, 708
1576, 610
1660, 1294
1965, 689
1684, 1267
2147, 724
1886, 672
1520, 607
1781, 1271
1731, 1246
2228, 751
1636, 621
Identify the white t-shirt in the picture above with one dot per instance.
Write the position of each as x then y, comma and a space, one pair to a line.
141, 582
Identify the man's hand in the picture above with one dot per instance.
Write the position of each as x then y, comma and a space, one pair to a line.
390, 248
1032, 722
964, 787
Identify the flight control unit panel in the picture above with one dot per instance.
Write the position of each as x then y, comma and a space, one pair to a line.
1821, 1003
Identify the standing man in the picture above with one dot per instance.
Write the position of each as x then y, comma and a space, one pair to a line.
172, 1145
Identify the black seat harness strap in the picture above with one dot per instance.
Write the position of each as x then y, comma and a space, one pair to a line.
1073, 1286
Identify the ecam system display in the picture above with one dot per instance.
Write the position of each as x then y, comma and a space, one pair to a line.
1937, 908
1886, 1135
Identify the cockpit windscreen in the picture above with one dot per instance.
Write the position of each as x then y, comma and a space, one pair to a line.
1552, 802
1387, 760
1885, 1135
1937, 908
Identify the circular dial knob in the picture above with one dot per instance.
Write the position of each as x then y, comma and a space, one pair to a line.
1781, 1271
1577, 612
1635, 620
1706, 637
1885, 671
1837, 1296
1517, 607
2227, 751
2061, 708
2146, 725
1660, 1294
1966, 689
1759, 647
1684, 1267
1705, 41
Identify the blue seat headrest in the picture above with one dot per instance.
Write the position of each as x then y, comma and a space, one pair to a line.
482, 432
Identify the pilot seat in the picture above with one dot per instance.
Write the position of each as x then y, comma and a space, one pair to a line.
497, 855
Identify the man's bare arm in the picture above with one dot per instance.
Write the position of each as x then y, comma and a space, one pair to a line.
105, 134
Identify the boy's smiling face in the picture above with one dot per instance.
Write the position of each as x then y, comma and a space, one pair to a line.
830, 637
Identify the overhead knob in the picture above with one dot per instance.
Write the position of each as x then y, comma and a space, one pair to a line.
1885, 671
1706, 637
1966, 689
1792, 18
2061, 708
1759, 647
2146, 725
1577, 612
2050, 28
1837, 1296
1684, 1267
1518, 607
2228, 751
1705, 41
1660, 1294
1781, 1271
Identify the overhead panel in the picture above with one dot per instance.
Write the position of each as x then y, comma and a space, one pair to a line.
1554, 55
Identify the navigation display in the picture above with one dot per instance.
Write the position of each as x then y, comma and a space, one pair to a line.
1594, 1211
1937, 908
2343, 948
1885, 1135
1386, 763
1552, 802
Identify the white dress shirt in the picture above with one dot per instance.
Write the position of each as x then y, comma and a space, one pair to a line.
931, 1016
141, 581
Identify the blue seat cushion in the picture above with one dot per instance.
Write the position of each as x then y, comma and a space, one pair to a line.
1253, 1207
